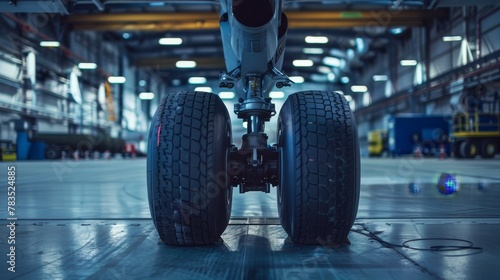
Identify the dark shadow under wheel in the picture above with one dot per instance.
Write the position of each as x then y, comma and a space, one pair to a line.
188, 187
318, 193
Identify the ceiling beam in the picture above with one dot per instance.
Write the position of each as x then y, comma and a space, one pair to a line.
210, 20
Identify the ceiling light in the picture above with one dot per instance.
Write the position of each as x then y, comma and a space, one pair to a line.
359, 88
170, 41
51, 44
348, 98
380, 78
452, 38
397, 30
344, 80
303, 63
205, 89
316, 39
408, 62
87, 65
313, 50
297, 79
117, 80
324, 69
185, 64
126, 35
197, 80
277, 94
332, 61
330, 77
146, 95
226, 95
142, 83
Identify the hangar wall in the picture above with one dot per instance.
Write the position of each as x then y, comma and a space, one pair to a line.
480, 31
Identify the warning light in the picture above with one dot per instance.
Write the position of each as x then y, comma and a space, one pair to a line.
447, 184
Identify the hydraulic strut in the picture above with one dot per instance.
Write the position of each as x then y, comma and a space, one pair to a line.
256, 162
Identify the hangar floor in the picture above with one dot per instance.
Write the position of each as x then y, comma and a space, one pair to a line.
90, 220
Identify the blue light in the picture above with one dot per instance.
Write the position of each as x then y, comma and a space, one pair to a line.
447, 184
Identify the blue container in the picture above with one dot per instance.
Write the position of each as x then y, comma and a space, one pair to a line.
23, 145
406, 131
37, 150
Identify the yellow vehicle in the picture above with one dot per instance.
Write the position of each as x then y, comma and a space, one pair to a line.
377, 142
476, 134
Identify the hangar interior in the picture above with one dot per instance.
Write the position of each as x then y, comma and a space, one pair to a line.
421, 77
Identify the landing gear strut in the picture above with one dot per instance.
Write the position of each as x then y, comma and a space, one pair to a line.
256, 161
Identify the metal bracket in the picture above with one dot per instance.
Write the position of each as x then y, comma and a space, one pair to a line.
227, 80
281, 79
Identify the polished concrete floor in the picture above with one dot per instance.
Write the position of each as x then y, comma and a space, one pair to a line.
90, 220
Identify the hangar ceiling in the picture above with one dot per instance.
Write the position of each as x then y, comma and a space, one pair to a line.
356, 30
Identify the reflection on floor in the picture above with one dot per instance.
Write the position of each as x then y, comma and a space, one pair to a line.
90, 219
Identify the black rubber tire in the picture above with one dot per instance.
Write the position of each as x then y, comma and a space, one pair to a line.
318, 194
52, 152
188, 186
488, 149
456, 149
468, 149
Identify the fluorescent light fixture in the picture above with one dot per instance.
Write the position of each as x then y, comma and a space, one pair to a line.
380, 78
51, 44
205, 89
146, 95
313, 50
297, 79
87, 65
359, 88
397, 30
348, 98
452, 38
330, 77
408, 62
226, 95
197, 80
324, 69
277, 94
303, 63
332, 61
117, 80
185, 64
170, 41
316, 39
344, 80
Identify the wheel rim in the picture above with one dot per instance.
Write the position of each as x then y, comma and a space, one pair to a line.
473, 150
490, 149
